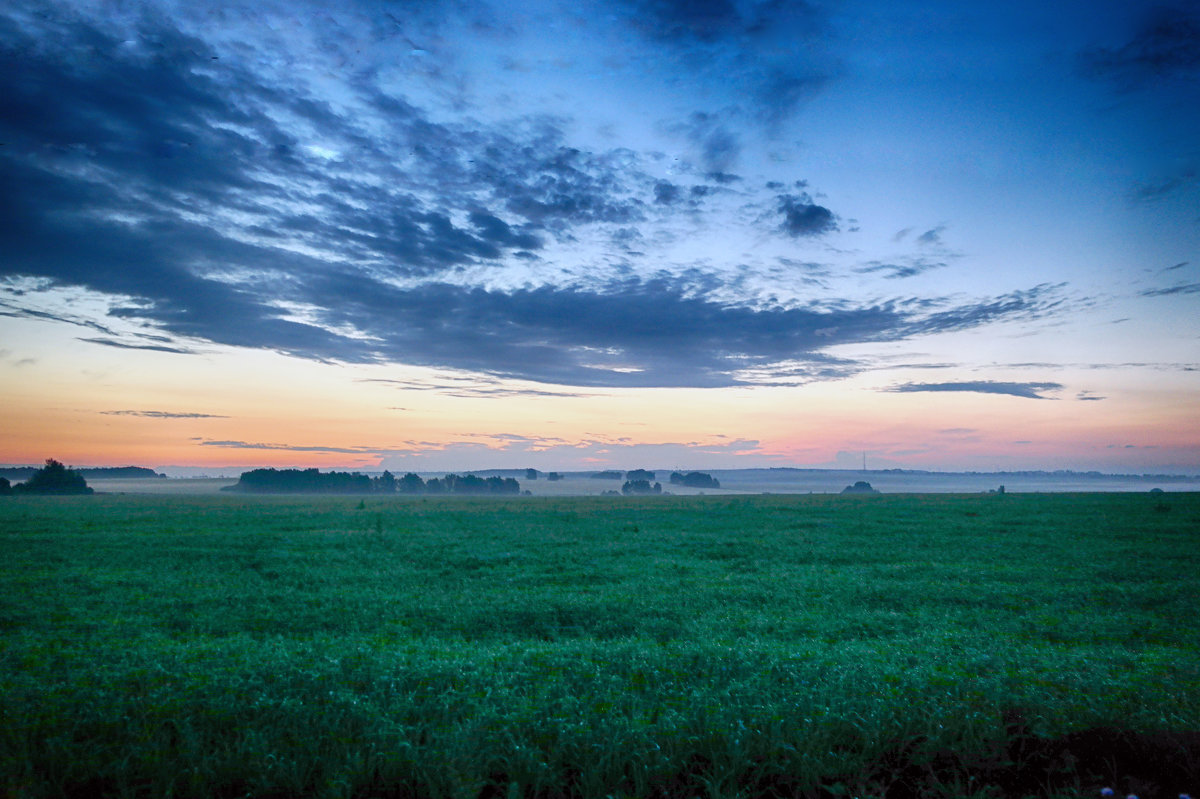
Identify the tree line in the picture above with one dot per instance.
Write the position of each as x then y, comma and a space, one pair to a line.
314, 481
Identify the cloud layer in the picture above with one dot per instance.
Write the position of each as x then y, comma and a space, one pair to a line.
210, 201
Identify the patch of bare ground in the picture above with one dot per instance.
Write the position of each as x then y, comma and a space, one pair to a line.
1159, 765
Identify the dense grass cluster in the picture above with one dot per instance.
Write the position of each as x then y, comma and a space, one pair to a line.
668, 646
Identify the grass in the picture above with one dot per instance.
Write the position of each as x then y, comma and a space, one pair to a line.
590, 647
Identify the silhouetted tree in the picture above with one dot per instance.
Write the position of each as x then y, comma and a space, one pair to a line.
312, 481
695, 480
54, 478
640, 487
553, 476
5, 487
531, 474
302, 481
411, 484
640, 474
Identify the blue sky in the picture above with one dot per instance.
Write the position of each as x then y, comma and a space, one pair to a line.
833, 205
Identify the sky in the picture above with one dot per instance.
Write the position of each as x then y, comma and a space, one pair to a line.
436, 235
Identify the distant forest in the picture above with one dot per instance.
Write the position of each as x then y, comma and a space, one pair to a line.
93, 473
314, 481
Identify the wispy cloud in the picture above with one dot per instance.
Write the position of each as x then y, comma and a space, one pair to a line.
133, 345
1180, 179
900, 268
289, 447
473, 387
164, 415
1025, 390
1184, 288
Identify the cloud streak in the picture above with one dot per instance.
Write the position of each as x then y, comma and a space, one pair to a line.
163, 415
1024, 390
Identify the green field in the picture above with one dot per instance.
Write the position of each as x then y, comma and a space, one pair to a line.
935, 645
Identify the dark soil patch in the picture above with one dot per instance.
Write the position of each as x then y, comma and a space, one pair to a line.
1157, 765
1160, 765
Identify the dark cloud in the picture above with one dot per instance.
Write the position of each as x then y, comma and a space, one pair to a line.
1166, 44
932, 237
803, 217
700, 20
1026, 390
163, 415
1088, 396
773, 50
780, 92
634, 333
666, 192
717, 146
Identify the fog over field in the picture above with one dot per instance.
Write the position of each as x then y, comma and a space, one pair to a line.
757, 481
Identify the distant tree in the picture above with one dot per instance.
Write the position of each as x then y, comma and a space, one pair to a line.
531, 474
5, 486
640, 474
607, 475
471, 484
695, 480
553, 476
411, 484
387, 482
640, 487
54, 478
